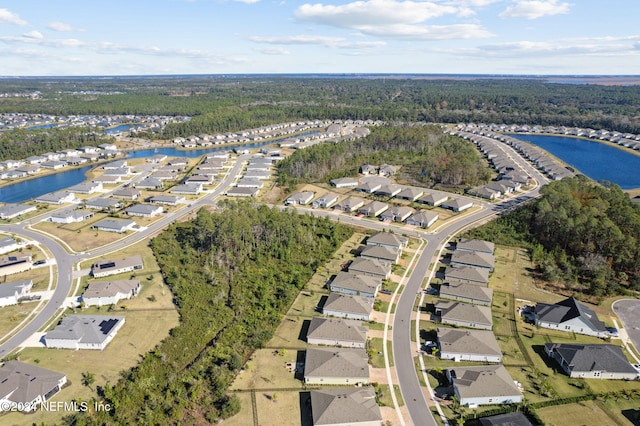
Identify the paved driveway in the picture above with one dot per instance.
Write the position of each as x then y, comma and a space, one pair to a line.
628, 310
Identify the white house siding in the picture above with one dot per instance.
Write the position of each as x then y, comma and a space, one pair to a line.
466, 324
512, 399
346, 315
335, 380
333, 342
601, 375
470, 357
575, 325
8, 301
104, 301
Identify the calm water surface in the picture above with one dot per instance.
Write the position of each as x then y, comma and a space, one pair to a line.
596, 160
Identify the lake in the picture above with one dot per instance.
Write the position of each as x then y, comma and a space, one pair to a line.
596, 160
27, 189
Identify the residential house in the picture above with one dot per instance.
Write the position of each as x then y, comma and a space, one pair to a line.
347, 306
350, 204
350, 406
369, 187
464, 314
299, 198
467, 274
11, 293
344, 182
250, 183
325, 201
384, 254
144, 210
468, 244
473, 258
591, 361
104, 293
507, 419
242, 192
149, 183
370, 267
108, 180
423, 219
104, 268
337, 332
8, 245
387, 170
70, 216
257, 174
468, 293
114, 225
127, 193
10, 211
86, 188
368, 169
336, 366
387, 239
458, 204
373, 208
84, 332
15, 264
61, 197
389, 190
122, 172
468, 345
485, 192
29, 170
54, 165
187, 189
101, 204
411, 194
433, 199
484, 385
28, 386
163, 175
167, 200
156, 159
569, 315
355, 284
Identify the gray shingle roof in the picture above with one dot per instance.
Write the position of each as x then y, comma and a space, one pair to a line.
357, 305
84, 328
475, 245
337, 329
484, 381
592, 357
470, 291
26, 382
456, 311
566, 310
474, 342
344, 406
336, 362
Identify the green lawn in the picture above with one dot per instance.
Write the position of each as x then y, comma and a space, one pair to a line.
376, 355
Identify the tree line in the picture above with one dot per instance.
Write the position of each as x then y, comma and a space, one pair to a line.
236, 103
21, 143
233, 273
428, 157
581, 234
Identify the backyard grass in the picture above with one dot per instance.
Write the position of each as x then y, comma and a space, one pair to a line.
288, 334
79, 236
383, 306
245, 415
13, 315
276, 408
267, 369
586, 413
384, 395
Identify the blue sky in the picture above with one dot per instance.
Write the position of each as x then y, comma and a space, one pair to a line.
62, 37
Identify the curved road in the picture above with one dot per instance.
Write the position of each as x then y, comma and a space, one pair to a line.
66, 261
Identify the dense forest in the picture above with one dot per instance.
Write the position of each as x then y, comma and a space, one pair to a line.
428, 157
233, 274
20, 144
581, 234
221, 104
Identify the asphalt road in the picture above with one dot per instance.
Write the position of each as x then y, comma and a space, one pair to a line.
628, 310
65, 261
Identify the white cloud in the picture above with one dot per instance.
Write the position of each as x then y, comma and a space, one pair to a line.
59, 26
392, 18
429, 32
372, 12
34, 34
331, 42
273, 51
247, 1
11, 18
534, 9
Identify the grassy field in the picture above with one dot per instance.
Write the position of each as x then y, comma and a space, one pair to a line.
586, 413
80, 236
147, 323
267, 370
376, 355
289, 334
